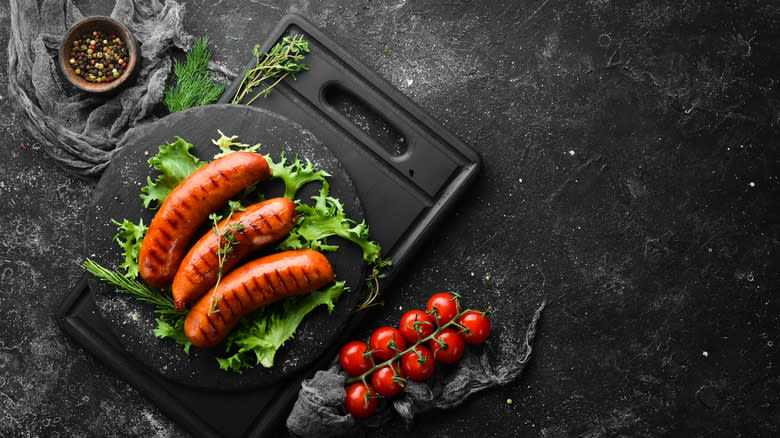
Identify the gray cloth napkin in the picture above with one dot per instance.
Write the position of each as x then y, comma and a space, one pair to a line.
81, 132
319, 410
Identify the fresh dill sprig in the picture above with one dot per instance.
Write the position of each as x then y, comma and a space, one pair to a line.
194, 85
284, 59
162, 302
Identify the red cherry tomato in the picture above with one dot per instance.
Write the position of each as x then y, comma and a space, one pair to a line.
477, 327
447, 346
353, 358
423, 321
388, 381
446, 307
420, 367
361, 400
382, 341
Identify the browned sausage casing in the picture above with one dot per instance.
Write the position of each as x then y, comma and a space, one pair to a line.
252, 286
261, 224
188, 206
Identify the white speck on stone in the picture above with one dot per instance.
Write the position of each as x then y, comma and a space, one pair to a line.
571, 152
752, 184
705, 354
521, 180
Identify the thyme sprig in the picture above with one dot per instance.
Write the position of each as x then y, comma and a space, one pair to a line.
283, 60
227, 240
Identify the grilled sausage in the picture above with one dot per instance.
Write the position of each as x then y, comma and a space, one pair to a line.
261, 224
188, 206
252, 286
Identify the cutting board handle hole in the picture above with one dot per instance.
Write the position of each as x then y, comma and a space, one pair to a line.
363, 115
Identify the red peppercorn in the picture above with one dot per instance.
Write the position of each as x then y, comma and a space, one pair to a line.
120, 42
92, 47
124, 64
106, 80
108, 50
81, 41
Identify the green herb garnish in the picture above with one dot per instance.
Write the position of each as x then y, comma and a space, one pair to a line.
194, 85
296, 174
283, 60
227, 240
163, 303
324, 219
175, 162
130, 236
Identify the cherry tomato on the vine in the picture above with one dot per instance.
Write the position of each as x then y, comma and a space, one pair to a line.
476, 327
446, 307
361, 400
383, 340
418, 364
421, 320
388, 381
353, 358
447, 346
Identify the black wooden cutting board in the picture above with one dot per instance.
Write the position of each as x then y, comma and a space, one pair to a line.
407, 169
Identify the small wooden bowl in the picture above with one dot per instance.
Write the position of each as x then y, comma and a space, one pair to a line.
108, 26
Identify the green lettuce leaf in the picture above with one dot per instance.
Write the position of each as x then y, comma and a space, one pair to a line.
129, 237
296, 174
225, 145
324, 219
175, 162
173, 328
260, 335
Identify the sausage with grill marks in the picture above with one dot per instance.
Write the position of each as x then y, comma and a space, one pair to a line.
261, 224
252, 286
188, 206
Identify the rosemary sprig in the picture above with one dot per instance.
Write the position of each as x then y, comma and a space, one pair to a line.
194, 85
283, 60
228, 236
162, 302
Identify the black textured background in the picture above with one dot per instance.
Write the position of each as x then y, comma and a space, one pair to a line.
630, 178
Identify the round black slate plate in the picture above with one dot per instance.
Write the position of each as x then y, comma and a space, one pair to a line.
117, 197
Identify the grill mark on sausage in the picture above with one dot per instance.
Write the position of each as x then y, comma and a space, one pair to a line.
204, 333
245, 291
291, 273
211, 323
175, 211
156, 255
257, 288
281, 280
270, 283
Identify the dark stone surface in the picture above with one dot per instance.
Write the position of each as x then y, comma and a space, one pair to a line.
630, 178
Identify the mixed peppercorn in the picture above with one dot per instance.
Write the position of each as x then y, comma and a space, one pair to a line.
98, 58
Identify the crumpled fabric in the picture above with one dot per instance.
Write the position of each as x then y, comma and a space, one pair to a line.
319, 410
81, 132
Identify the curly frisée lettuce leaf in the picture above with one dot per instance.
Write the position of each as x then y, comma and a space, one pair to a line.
175, 162
324, 219
129, 237
173, 329
296, 174
225, 145
260, 335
